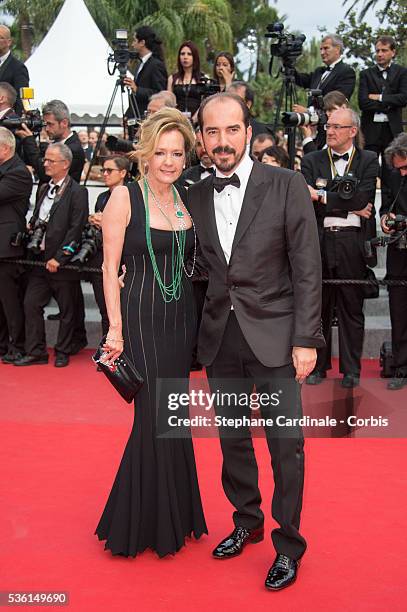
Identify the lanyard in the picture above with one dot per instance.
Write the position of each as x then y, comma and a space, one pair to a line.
333, 167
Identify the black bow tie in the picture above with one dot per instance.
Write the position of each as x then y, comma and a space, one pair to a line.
345, 156
220, 183
211, 170
53, 190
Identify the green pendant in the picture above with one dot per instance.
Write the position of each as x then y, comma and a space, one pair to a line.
179, 213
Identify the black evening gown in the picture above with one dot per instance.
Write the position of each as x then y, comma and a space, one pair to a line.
155, 501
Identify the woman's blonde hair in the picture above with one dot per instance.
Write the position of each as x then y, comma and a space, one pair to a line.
164, 120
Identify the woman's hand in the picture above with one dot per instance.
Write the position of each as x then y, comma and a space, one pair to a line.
112, 348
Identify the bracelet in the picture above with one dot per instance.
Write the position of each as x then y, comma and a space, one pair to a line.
113, 340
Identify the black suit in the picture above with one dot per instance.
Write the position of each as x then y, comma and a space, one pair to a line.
273, 281
15, 72
394, 97
151, 79
15, 190
343, 255
67, 218
34, 158
396, 269
341, 78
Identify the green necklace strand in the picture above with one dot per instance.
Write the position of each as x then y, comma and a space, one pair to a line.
172, 291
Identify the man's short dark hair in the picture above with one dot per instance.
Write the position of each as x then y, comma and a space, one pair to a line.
248, 91
9, 91
263, 137
398, 147
386, 40
225, 95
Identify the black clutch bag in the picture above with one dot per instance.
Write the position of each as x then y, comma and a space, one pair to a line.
121, 374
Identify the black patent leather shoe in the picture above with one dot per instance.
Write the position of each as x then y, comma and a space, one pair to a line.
236, 541
350, 381
61, 360
315, 378
11, 357
396, 383
282, 573
28, 360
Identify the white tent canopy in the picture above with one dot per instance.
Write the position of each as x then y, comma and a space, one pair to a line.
70, 64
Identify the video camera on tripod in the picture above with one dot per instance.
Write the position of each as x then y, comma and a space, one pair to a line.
286, 46
121, 55
32, 118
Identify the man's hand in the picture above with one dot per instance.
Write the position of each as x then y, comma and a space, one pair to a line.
383, 222
366, 212
304, 360
297, 108
374, 96
23, 132
52, 265
306, 131
313, 193
129, 82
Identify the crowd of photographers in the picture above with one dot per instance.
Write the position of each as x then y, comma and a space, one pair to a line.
343, 155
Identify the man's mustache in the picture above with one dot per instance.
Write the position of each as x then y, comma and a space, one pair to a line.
224, 150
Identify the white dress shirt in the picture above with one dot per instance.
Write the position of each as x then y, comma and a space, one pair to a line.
382, 117
228, 204
352, 219
4, 111
48, 200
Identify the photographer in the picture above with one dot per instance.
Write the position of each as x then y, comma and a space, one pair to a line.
346, 219
58, 128
115, 173
331, 101
15, 191
151, 75
394, 202
335, 75
60, 214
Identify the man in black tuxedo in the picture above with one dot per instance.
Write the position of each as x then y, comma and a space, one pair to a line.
261, 319
198, 171
63, 205
15, 190
335, 75
11, 69
382, 96
344, 225
394, 202
151, 75
58, 127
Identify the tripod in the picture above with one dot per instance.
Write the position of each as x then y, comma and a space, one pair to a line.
135, 113
288, 94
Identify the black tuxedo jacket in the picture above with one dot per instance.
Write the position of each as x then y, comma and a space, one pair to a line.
273, 278
394, 98
341, 78
15, 190
394, 189
14, 72
152, 78
365, 167
34, 158
68, 217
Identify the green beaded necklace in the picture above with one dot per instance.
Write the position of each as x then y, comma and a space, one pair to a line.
173, 290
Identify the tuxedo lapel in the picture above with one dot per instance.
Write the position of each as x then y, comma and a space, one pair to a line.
209, 205
254, 196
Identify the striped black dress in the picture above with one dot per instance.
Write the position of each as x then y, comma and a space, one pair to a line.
155, 501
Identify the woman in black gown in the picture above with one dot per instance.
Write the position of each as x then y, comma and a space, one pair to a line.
155, 501
184, 82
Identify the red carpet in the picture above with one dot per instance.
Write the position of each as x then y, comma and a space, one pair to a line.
63, 434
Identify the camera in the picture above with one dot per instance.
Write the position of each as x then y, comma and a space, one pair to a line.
122, 145
398, 237
283, 44
36, 237
91, 242
315, 114
345, 185
32, 118
121, 55
207, 87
